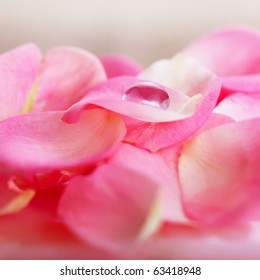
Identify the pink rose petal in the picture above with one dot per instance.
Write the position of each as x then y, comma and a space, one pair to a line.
246, 83
154, 166
114, 95
66, 74
229, 52
240, 106
18, 69
219, 175
120, 65
111, 207
41, 142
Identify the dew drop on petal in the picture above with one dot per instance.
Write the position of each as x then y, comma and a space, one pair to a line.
148, 93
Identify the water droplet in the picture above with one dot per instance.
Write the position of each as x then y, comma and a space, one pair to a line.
148, 93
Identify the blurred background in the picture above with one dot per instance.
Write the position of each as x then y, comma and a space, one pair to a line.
144, 29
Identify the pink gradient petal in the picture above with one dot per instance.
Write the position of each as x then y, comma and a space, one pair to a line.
229, 52
154, 166
246, 83
219, 175
240, 106
111, 95
120, 65
37, 233
18, 69
41, 142
110, 208
66, 74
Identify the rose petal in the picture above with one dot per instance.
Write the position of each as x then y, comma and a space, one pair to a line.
154, 166
157, 136
249, 84
18, 69
219, 174
41, 142
66, 74
120, 65
112, 95
229, 52
240, 106
111, 207
246, 84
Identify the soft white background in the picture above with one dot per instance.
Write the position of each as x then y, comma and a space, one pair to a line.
144, 29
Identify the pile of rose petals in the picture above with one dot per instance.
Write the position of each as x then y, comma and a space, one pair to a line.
101, 159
